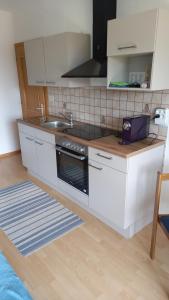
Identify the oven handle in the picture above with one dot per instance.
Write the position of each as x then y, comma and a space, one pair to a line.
70, 154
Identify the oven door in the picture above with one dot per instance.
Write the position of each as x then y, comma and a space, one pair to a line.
72, 168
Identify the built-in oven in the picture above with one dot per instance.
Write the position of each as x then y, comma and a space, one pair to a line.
72, 164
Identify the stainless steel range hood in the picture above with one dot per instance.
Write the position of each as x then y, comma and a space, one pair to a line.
97, 66
92, 68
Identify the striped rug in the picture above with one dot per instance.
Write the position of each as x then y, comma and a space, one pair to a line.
31, 218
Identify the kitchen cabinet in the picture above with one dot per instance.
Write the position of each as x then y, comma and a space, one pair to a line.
29, 158
122, 190
35, 62
46, 161
132, 35
48, 58
107, 192
63, 52
138, 48
38, 153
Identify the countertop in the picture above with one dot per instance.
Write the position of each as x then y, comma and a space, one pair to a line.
108, 144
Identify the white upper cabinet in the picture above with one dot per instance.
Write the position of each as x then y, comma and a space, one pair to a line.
47, 59
131, 35
35, 61
63, 52
138, 50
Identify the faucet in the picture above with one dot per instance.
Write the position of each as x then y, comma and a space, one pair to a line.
42, 109
68, 116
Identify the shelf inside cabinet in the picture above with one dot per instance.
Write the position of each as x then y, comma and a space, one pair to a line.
130, 89
130, 68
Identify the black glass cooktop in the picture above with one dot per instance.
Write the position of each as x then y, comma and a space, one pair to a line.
90, 132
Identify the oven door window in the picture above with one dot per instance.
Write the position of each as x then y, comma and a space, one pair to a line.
73, 171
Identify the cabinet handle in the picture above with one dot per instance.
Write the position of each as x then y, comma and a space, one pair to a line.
38, 143
99, 169
106, 157
39, 82
50, 82
127, 47
29, 139
70, 154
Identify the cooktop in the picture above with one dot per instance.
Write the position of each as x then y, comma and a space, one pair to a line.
90, 132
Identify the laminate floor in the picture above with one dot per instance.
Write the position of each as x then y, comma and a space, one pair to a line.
92, 262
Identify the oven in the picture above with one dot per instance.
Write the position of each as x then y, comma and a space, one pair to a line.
72, 164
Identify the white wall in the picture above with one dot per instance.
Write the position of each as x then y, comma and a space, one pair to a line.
34, 18
26, 20
10, 108
126, 7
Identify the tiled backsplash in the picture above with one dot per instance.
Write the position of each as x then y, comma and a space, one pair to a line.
100, 106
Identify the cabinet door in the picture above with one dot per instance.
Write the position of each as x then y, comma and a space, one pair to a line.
46, 160
55, 58
64, 52
107, 189
28, 152
133, 34
35, 62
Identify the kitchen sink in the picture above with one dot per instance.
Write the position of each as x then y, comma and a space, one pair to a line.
55, 124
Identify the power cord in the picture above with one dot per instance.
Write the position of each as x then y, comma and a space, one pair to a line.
153, 139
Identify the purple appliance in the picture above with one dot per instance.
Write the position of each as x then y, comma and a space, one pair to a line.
135, 128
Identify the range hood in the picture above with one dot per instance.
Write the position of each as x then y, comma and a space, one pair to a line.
103, 10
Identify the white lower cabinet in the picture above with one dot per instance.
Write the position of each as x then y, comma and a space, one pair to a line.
121, 190
46, 161
28, 151
38, 155
107, 190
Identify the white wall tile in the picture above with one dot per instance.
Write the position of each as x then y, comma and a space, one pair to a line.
157, 98
91, 105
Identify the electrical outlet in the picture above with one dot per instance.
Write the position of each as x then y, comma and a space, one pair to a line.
163, 120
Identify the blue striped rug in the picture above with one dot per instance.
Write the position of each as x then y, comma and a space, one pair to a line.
31, 218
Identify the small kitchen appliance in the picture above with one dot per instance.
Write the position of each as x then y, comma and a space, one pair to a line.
135, 128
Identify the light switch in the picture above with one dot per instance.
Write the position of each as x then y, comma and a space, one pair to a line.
163, 119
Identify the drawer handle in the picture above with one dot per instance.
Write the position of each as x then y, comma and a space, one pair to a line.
29, 139
106, 157
50, 82
38, 143
70, 154
99, 169
39, 82
127, 47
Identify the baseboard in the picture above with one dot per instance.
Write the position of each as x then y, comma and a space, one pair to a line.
9, 154
82, 201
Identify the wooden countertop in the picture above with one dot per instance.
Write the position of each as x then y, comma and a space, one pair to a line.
108, 144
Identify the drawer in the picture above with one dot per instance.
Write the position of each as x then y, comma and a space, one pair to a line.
44, 136
132, 35
37, 133
26, 129
107, 159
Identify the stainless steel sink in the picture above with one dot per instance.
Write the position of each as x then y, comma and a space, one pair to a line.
55, 124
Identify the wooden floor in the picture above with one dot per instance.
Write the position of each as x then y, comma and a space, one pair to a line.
92, 262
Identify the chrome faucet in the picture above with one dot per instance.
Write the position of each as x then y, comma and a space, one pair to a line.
42, 109
68, 116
